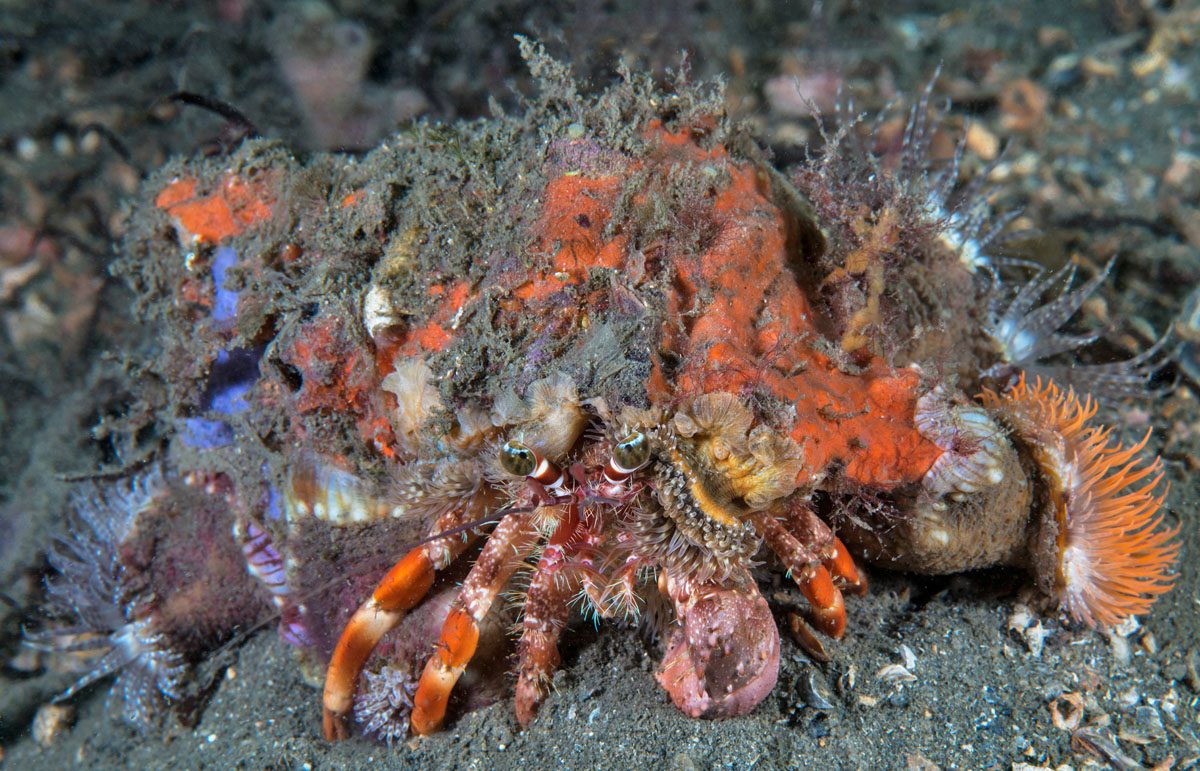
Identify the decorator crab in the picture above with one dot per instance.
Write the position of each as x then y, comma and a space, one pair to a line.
607, 351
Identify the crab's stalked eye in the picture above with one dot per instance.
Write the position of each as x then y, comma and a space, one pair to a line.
628, 455
631, 453
517, 459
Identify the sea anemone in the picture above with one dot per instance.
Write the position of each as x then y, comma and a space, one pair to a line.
1026, 334
1099, 550
109, 629
384, 703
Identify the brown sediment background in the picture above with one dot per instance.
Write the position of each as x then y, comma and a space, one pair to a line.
1087, 115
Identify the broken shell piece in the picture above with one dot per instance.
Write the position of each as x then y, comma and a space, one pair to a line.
812, 696
1067, 711
1021, 618
50, 722
807, 639
1095, 742
894, 674
1144, 726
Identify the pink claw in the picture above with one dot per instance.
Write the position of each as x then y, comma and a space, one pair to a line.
724, 657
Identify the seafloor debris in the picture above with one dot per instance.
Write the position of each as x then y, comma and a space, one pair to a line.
608, 330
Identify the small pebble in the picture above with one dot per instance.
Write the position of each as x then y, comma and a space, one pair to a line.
893, 674
1193, 670
64, 145
89, 143
982, 142
1120, 648
1145, 726
27, 148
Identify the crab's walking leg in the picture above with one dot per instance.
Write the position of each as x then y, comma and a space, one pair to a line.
401, 589
807, 527
586, 563
813, 579
505, 549
546, 608
842, 566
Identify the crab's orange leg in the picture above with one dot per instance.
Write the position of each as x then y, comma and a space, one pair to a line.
807, 527
546, 607
842, 566
505, 549
404, 586
813, 579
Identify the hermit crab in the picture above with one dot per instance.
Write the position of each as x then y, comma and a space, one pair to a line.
773, 406
689, 498
607, 354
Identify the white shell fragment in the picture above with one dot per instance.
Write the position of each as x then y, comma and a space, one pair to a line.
378, 315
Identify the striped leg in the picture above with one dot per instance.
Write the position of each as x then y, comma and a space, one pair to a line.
401, 589
546, 608
813, 579
506, 547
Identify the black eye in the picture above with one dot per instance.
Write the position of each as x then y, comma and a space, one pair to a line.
632, 452
517, 459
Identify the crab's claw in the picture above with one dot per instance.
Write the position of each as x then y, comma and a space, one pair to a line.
723, 658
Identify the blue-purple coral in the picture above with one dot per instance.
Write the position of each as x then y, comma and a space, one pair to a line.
105, 615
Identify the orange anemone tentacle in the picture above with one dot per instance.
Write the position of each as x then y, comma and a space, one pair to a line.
1113, 556
505, 549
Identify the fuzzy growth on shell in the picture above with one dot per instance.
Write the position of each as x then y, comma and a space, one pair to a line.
1103, 552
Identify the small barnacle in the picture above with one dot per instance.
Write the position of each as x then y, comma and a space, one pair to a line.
556, 416
777, 462
720, 416
1026, 334
974, 448
109, 627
